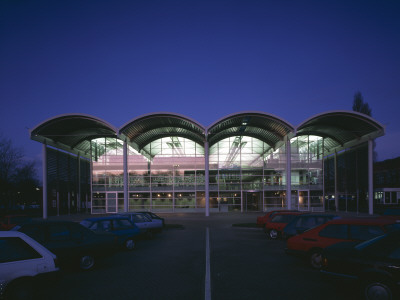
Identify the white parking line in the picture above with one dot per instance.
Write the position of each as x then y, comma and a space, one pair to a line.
208, 276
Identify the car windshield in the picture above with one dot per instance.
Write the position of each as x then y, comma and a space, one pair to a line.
86, 223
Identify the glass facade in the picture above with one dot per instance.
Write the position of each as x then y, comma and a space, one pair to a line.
168, 174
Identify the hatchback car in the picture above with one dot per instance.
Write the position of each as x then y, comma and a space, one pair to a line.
311, 243
125, 231
71, 242
375, 264
304, 222
24, 265
275, 226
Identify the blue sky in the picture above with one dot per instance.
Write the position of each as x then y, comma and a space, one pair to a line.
117, 60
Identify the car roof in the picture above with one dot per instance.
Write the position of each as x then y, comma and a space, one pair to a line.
362, 221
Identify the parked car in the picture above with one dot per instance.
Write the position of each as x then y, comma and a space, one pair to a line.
153, 216
24, 265
122, 227
374, 264
311, 243
304, 222
147, 226
9, 221
261, 220
274, 227
71, 242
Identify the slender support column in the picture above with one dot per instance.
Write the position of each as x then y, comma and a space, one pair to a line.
207, 183
44, 158
58, 203
370, 178
323, 174
336, 185
79, 183
288, 174
126, 183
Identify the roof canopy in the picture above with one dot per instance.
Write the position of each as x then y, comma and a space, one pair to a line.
72, 132
147, 128
341, 127
265, 127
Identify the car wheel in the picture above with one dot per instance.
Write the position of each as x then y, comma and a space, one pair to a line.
86, 262
375, 289
130, 244
21, 289
316, 259
273, 234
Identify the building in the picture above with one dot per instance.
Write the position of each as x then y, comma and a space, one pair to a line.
247, 161
387, 183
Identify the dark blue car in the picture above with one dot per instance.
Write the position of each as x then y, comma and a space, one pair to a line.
125, 231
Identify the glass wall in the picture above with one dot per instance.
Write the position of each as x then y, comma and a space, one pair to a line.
168, 174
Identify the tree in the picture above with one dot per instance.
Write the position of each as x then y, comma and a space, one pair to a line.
360, 106
17, 177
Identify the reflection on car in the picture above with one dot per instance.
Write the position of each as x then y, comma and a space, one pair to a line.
125, 231
147, 226
375, 264
304, 222
70, 241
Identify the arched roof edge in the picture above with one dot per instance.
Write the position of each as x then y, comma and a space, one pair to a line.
112, 127
252, 112
148, 115
350, 112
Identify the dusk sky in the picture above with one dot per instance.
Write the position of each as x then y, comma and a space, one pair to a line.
117, 60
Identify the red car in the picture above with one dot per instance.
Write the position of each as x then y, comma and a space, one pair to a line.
311, 243
10, 221
264, 219
274, 227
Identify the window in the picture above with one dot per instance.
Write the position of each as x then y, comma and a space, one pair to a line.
365, 232
16, 249
337, 231
122, 224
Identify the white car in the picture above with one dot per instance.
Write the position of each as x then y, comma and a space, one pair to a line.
23, 264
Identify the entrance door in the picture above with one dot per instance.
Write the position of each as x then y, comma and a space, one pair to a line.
252, 201
304, 200
111, 202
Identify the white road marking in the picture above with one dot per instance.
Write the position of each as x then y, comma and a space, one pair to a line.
208, 274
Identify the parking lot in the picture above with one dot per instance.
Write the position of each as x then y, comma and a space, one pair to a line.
242, 264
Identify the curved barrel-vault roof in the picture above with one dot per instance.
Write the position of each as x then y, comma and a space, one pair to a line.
72, 132
265, 127
149, 127
341, 127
